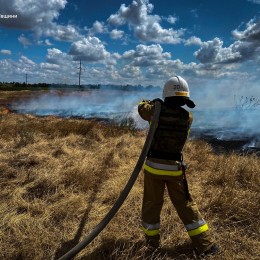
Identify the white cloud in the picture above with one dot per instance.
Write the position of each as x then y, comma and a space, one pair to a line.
146, 27
5, 52
147, 55
171, 19
26, 61
158, 73
31, 14
116, 34
128, 54
130, 72
39, 17
89, 49
250, 34
47, 42
60, 32
116, 55
245, 48
193, 40
112, 59
24, 41
49, 66
213, 52
155, 65
145, 65
59, 66
98, 27
56, 56
208, 51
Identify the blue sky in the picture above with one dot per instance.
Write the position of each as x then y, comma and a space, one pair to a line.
210, 43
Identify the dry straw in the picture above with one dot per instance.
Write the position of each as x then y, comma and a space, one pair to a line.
59, 177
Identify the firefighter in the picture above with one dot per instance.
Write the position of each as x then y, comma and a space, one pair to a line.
164, 167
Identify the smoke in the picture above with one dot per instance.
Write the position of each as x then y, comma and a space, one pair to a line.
214, 116
106, 104
227, 123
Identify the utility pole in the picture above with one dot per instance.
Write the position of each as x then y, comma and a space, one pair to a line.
26, 78
80, 69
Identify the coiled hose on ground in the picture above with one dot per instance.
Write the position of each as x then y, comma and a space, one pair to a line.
103, 223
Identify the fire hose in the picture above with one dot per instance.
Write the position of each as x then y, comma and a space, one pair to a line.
123, 195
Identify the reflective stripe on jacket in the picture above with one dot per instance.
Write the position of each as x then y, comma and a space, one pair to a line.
163, 169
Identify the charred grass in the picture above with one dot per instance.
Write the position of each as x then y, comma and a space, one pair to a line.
59, 177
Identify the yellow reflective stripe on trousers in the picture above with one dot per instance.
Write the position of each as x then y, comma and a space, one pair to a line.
198, 230
150, 232
162, 172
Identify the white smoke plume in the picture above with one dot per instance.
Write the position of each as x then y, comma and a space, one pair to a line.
215, 112
87, 104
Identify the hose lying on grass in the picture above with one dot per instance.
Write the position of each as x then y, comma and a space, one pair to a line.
103, 223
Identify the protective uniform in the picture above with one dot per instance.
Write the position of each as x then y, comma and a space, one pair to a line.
164, 167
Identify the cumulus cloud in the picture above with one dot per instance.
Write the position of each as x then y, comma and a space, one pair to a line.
58, 68
250, 34
49, 66
98, 27
147, 55
214, 52
39, 17
26, 61
155, 65
111, 60
193, 40
60, 32
24, 41
6, 52
56, 56
130, 72
88, 49
146, 27
246, 47
116, 34
31, 14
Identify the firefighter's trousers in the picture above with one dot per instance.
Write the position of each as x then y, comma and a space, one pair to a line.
155, 181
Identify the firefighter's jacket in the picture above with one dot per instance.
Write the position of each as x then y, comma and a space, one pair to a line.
172, 130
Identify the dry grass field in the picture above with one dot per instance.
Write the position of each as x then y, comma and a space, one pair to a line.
59, 177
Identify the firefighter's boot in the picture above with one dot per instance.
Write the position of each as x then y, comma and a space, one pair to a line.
213, 250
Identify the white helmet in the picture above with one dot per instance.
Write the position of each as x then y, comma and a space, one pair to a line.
176, 87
